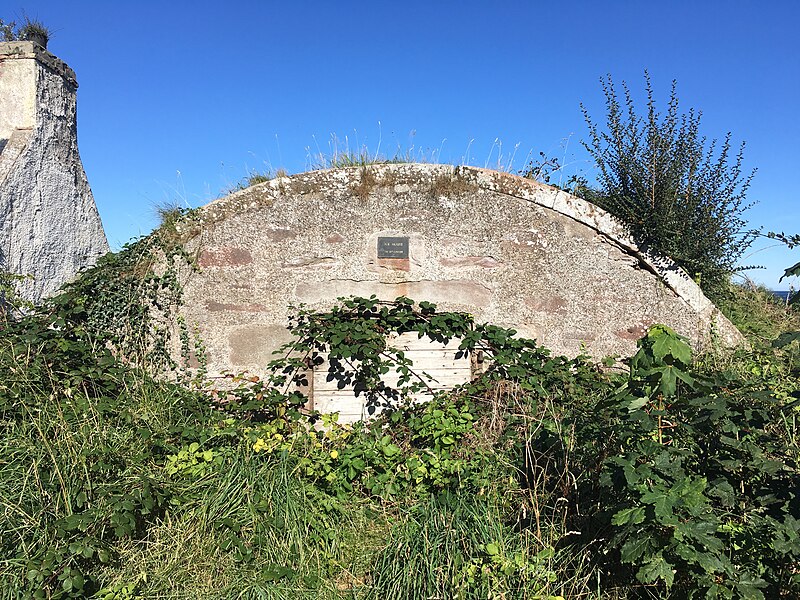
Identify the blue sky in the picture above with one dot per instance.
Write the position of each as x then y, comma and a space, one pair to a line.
178, 100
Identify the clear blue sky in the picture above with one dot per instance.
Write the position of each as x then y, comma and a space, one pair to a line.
179, 100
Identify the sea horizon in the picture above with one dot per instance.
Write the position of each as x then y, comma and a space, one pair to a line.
783, 295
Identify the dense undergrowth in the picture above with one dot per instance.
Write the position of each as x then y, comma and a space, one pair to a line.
547, 477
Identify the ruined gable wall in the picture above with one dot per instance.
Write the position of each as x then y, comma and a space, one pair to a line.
49, 225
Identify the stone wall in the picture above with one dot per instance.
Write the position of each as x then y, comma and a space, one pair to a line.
49, 225
509, 250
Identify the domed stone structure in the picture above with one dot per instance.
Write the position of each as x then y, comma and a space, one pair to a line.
508, 250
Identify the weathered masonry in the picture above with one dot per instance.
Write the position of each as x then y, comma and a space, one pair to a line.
49, 226
508, 250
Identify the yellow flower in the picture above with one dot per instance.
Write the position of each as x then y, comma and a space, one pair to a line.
334, 454
259, 445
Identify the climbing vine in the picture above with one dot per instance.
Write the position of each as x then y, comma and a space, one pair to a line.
129, 299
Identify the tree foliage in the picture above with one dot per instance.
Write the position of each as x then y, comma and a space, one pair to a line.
680, 194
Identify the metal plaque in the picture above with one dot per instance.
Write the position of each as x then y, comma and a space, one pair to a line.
392, 247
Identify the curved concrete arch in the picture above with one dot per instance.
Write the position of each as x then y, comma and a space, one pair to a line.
601, 221
507, 249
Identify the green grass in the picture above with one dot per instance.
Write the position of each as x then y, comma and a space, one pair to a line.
757, 313
465, 546
253, 530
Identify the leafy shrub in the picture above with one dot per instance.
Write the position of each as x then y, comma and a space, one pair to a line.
698, 480
683, 197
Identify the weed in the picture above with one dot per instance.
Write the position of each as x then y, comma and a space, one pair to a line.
30, 30
453, 183
254, 178
34, 30
367, 182
169, 213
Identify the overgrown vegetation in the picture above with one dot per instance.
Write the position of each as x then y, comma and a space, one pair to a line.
544, 478
681, 195
28, 30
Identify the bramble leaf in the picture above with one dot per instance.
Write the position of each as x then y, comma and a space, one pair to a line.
629, 516
662, 504
657, 568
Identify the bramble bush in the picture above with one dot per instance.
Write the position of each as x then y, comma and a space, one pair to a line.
698, 477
